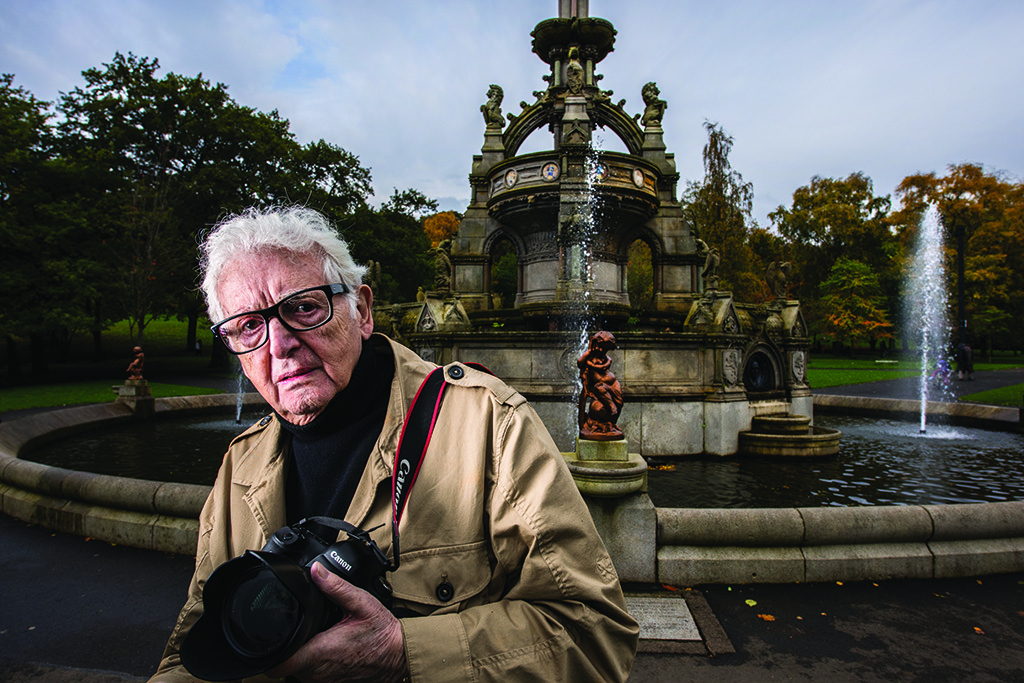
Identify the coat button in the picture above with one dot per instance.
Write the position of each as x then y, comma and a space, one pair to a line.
445, 591
456, 372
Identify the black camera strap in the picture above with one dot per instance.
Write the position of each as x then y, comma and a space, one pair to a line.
412, 445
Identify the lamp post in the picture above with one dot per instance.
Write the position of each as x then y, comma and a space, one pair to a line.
961, 314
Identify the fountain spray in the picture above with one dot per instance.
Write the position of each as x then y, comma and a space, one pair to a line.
926, 320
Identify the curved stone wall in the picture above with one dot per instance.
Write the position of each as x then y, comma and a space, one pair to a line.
134, 512
693, 546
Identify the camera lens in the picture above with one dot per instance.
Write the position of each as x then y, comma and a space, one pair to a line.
260, 615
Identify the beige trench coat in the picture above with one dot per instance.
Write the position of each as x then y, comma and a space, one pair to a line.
494, 512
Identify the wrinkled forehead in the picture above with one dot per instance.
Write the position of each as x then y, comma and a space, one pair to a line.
257, 279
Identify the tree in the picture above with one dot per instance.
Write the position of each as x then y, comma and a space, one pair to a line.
832, 219
853, 303
640, 276
177, 153
988, 209
719, 210
441, 226
48, 268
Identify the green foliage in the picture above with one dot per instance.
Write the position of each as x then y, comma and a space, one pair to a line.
718, 209
853, 304
832, 219
397, 241
505, 276
640, 276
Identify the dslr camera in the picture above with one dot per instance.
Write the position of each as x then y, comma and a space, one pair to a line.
261, 607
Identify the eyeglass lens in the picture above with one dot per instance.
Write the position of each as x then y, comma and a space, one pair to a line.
303, 311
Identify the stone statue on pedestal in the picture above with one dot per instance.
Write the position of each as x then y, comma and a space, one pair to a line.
492, 109
655, 108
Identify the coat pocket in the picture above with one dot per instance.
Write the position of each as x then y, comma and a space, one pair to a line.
442, 576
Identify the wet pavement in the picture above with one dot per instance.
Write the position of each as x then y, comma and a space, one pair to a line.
81, 610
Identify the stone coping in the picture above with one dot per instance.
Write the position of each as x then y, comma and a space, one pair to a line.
693, 546
998, 418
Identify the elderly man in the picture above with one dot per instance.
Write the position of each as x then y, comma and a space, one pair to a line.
502, 574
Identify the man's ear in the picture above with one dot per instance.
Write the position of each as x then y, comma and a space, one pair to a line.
364, 310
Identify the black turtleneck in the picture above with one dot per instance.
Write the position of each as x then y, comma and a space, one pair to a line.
330, 453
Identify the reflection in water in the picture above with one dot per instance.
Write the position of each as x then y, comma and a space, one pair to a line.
184, 450
880, 462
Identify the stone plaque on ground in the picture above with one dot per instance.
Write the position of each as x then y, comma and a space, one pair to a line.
663, 618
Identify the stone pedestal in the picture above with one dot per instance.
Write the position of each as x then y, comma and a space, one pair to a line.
613, 482
135, 393
629, 528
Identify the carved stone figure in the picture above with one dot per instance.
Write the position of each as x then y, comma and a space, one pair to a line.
135, 367
374, 279
601, 398
492, 109
778, 278
710, 272
443, 266
574, 77
655, 108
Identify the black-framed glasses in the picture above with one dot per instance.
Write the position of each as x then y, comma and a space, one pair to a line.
299, 312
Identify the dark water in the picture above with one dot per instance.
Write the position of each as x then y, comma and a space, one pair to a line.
184, 450
880, 462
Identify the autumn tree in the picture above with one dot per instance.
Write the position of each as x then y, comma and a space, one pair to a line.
852, 303
834, 218
441, 226
719, 210
986, 210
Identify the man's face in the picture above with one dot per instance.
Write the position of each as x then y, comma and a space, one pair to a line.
298, 373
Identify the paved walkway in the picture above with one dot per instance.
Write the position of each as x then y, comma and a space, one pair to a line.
86, 611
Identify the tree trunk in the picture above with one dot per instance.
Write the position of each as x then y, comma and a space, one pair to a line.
40, 364
13, 362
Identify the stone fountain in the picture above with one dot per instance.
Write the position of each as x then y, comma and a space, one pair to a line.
698, 365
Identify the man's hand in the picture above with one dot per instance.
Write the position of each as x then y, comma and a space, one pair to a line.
366, 645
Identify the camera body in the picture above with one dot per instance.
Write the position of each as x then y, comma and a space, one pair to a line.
261, 607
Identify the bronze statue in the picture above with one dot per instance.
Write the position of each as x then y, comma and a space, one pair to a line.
135, 367
655, 108
492, 109
601, 393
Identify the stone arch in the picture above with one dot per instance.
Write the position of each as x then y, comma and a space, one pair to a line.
762, 370
654, 243
492, 246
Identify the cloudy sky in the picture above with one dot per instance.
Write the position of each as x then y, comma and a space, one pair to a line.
805, 87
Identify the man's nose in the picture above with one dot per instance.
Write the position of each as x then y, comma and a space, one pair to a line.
281, 340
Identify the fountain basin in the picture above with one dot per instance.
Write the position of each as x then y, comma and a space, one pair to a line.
790, 544
819, 442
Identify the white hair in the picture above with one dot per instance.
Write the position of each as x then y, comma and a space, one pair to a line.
294, 229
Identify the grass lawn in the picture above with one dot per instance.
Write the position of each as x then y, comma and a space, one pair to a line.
76, 393
1006, 396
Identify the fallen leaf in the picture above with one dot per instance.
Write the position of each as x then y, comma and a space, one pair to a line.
839, 583
1021, 613
800, 618
766, 617
668, 587
751, 603
978, 630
